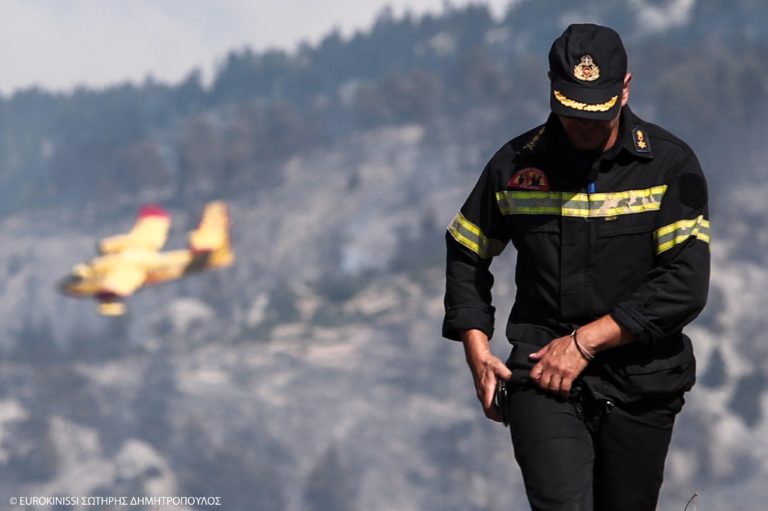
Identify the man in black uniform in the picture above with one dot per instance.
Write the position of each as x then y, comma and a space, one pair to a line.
608, 214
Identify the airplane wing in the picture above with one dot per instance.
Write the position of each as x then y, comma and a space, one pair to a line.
149, 232
123, 280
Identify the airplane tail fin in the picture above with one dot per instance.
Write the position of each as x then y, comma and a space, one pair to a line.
212, 238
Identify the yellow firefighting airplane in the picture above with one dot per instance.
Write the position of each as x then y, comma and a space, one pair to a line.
130, 261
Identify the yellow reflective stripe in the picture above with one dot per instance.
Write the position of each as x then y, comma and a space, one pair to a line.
530, 203
470, 235
520, 202
575, 204
628, 202
678, 232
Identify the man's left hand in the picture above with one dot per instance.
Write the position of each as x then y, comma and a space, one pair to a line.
558, 365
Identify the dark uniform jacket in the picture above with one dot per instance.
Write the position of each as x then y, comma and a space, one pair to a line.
624, 233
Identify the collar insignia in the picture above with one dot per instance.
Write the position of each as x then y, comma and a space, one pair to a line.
586, 70
529, 178
641, 141
533, 142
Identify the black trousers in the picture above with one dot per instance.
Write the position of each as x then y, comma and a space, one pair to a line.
584, 454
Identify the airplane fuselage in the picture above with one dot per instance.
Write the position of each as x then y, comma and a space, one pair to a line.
86, 280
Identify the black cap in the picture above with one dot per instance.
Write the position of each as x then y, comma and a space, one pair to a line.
587, 65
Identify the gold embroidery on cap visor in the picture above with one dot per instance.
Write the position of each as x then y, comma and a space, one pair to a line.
584, 107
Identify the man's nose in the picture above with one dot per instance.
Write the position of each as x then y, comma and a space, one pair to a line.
585, 123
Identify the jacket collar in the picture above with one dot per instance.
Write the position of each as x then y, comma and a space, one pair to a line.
636, 138
633, 137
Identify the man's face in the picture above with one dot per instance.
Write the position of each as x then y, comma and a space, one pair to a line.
592, 135
589, 134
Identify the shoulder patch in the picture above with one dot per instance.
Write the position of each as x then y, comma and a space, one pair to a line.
693, 191
641, 140
529, 178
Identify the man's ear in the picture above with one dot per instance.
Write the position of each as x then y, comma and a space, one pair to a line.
625, 89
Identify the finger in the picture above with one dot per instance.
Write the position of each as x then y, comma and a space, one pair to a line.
503, 372
488, 390
493, 414
566, 384
544, 380
555, 383
536, 373
489, 406
539, 354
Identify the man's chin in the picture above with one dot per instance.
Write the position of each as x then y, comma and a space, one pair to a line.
588, 146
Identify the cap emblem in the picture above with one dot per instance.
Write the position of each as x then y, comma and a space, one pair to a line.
586, 70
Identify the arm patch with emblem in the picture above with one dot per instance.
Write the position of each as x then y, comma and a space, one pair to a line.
693, 191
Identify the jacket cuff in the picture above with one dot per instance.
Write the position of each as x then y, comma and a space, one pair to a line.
458, 320
645, 332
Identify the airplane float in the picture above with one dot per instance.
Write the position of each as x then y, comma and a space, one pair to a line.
128, 262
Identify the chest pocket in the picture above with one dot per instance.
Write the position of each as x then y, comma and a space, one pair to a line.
533, 234
642, 224
626, 237
521, 225
623, 253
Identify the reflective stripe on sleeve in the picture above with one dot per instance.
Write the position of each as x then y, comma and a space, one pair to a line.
470, 235
678, 232
570, 204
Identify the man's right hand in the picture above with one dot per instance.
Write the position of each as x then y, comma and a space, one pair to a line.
486, 370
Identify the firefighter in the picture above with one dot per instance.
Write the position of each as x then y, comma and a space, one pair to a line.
608, 215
